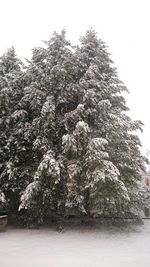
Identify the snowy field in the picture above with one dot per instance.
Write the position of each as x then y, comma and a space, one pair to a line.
79, 247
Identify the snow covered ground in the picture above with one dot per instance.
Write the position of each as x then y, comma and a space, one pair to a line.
82, 247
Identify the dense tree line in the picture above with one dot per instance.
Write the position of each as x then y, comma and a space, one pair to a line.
67, 144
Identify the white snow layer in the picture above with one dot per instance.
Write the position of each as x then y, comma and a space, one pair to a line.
82, 247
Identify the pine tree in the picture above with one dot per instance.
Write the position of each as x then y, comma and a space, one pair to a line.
106, 116
51, 73
11, 83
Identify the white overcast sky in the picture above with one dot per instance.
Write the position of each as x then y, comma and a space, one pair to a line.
122, 24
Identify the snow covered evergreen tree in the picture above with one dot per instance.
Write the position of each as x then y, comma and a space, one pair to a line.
105, 109
47, 97
72, 148
11, 83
